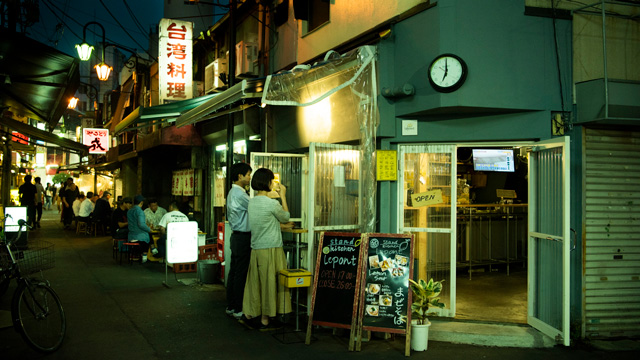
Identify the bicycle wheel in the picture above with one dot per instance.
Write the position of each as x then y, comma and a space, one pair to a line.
38, 316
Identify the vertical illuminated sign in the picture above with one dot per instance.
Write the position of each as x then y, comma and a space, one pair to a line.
96, 139
175, 59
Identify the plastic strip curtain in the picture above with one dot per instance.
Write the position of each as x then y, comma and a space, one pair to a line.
355, 71
337, 187
290, 170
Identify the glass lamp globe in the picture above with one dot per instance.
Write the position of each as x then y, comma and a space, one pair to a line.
103, 70
84, 51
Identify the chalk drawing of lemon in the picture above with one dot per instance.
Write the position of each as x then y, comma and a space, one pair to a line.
326, 250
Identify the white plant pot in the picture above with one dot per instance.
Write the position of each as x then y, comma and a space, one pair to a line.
419, 336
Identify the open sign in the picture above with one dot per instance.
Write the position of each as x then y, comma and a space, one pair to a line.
432, 197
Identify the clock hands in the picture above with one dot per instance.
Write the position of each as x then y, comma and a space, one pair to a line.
446, 69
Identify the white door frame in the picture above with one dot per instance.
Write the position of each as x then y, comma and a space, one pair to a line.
450, 309
565, 239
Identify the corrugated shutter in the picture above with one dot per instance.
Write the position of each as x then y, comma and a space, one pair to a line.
612, 233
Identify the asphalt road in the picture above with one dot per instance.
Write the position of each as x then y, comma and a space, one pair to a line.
124, 312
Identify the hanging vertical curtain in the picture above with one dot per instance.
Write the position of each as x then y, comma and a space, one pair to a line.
348, 82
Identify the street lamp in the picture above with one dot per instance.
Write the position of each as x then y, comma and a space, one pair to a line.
84, 52
73, 102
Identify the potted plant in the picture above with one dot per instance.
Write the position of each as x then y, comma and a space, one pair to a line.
425, 294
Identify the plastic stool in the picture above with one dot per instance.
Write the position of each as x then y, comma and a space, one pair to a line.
117, 247
132, 249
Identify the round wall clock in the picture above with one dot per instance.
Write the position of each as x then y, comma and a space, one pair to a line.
447, 73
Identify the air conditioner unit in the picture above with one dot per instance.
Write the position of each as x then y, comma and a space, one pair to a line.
246, 59
212, 80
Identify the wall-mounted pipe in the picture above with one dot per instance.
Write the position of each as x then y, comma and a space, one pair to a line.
398, 92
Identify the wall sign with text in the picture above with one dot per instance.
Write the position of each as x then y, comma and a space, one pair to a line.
386, 165
335, 290
96, 139
175, 60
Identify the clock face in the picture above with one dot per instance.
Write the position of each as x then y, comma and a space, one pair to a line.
447, 73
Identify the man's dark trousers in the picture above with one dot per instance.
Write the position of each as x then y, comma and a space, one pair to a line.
240, 257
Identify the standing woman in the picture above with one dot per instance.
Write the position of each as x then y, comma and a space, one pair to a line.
263, 296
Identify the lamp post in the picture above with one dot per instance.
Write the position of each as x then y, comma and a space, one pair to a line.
84, 52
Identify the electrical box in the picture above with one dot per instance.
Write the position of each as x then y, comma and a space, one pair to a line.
212, 72
246, 59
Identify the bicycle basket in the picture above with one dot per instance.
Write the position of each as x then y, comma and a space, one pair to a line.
38, 256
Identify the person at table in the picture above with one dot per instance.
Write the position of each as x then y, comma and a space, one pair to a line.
86, 208
102, 211
240, 242
138, 229
77, 203
27, 193
119, 223
174, 215
264, 297
153, 213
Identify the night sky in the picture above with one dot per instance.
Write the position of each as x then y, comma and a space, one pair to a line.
61, 22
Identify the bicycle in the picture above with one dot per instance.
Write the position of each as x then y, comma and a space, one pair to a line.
36, 311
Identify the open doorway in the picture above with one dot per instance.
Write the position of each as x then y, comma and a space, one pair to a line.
491, 221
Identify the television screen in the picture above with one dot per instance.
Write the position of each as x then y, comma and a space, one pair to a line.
16, 213
493, 160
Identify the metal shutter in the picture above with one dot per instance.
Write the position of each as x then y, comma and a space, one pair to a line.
612, 233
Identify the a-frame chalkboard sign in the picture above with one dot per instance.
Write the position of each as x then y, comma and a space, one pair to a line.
336, 284
385, 295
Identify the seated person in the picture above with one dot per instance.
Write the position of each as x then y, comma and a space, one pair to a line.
174, 215
138, 229
119, 223
87, 206
102, 211
76, 204
153, 213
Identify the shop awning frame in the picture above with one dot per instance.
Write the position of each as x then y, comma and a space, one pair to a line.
242, 90
146, 116
45, 136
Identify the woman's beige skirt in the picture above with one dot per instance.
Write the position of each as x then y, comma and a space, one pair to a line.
263, 295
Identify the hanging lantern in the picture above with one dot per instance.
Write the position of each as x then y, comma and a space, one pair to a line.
84, 51
103, 70
73, 103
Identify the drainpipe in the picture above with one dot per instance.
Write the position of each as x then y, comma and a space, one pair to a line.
604, 59
232, 76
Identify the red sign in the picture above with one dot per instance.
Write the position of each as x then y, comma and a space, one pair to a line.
19, 138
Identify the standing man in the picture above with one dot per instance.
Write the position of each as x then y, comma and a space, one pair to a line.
48, 194
237, 205
39, 200
68, 196
27, 193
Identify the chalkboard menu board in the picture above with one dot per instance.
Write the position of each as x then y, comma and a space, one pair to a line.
386, 296
336, 284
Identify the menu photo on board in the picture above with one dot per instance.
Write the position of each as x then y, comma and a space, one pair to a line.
386, 287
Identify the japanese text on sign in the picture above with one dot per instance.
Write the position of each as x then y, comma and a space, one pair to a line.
386, 165
96, 139
175, 60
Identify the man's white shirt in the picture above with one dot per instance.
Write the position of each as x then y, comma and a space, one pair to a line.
172, 216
